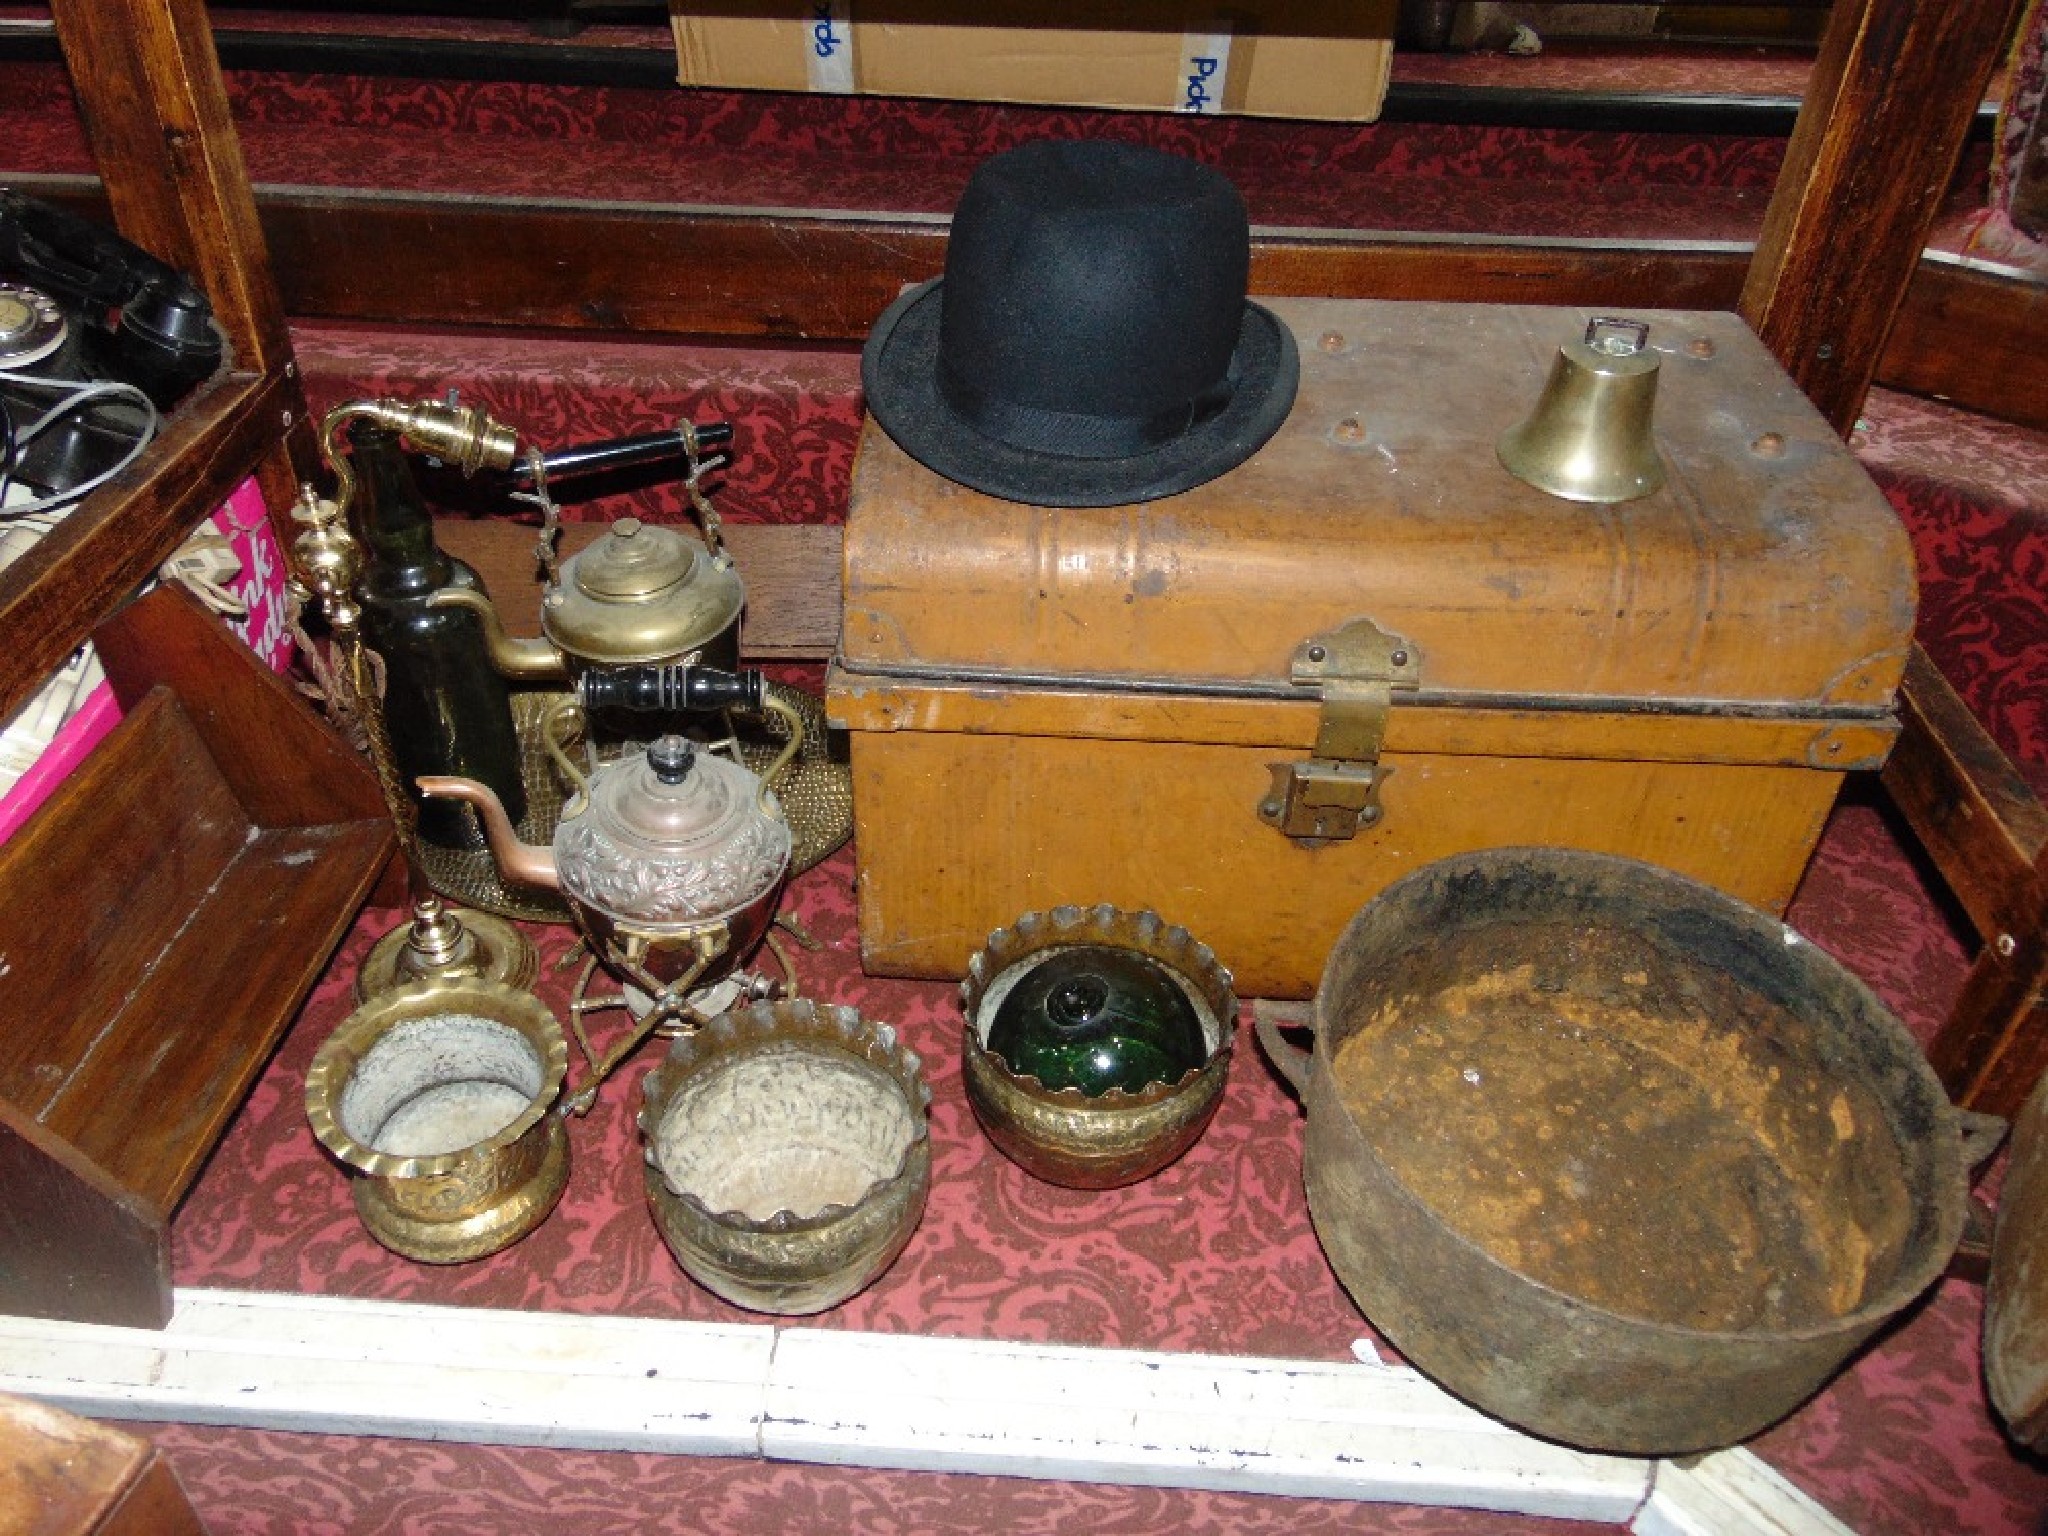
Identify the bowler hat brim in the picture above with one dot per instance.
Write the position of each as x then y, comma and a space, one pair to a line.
899, 370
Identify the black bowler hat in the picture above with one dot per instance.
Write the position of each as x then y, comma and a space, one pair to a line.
1090, 343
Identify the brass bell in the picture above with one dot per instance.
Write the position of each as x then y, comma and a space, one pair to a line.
1590, 438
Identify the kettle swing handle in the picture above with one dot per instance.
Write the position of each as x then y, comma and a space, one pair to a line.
679, 687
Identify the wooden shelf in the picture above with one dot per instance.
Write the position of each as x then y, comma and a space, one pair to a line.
93, 561
165, 913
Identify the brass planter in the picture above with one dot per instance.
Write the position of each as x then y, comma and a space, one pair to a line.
787, 1153
441, 1098
1064, 1136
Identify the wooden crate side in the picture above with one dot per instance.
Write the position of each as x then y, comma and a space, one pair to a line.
88, 901
73, 1244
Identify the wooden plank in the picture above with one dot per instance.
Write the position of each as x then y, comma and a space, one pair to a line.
1979, 821
1970, 808
1729, 1491
285, 767
88, 902
53, 596
1973, 336
791, 571
338, 1366
73, 1243
153, 1505
183, 1050
1307, 1429
784, 274
1966, 333
1337, 1429
1886, 109
60, 1475
1993, 1048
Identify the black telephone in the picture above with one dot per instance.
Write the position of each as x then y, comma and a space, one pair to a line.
96, 337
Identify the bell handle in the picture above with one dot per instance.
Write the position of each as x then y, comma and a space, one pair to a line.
529, 660
1291, 1061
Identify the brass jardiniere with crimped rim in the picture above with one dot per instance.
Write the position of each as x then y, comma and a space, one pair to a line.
1063, 1135
384, 1068
787, 1153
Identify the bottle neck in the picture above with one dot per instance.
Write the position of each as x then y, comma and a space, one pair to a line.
389, 515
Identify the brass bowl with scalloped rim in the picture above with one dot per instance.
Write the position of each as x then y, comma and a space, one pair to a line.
787, 1153
1063, 1135
442, 1098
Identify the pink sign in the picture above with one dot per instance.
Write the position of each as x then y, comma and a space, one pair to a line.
262, 585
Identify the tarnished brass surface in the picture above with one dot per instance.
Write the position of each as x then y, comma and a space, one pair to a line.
2016, 1301
1613, 1156
479, 945
645, 593
1116, 1138
446, 1206
787, 1153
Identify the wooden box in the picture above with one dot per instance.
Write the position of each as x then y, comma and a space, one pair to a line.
161, 919
1052, 706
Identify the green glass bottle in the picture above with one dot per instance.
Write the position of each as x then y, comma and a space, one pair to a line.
1095, 1017
446, 707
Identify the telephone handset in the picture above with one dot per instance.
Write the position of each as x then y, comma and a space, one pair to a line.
96, 336
126, 315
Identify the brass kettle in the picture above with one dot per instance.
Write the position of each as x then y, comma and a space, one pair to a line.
1590, 437
668, 847
642, 595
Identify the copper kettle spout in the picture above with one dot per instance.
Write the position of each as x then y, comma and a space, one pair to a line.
517, 861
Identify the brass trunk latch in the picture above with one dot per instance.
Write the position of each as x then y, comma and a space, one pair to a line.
1337, 791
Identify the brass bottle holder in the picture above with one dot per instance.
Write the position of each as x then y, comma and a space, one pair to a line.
1064, 1136
437, 942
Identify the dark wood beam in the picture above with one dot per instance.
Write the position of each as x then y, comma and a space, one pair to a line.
1886, 110
1974, 337
789, 275
149, 90
1970, 335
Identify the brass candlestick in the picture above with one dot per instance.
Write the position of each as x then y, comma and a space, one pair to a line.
440, 942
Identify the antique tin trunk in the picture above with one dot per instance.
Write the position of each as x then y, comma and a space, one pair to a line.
1162, 705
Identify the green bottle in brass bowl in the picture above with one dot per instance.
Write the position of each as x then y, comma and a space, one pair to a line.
1096, 1043
1096, 1017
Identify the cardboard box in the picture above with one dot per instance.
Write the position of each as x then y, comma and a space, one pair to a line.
1322, 59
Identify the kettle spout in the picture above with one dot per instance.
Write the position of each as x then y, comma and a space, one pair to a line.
523, 863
